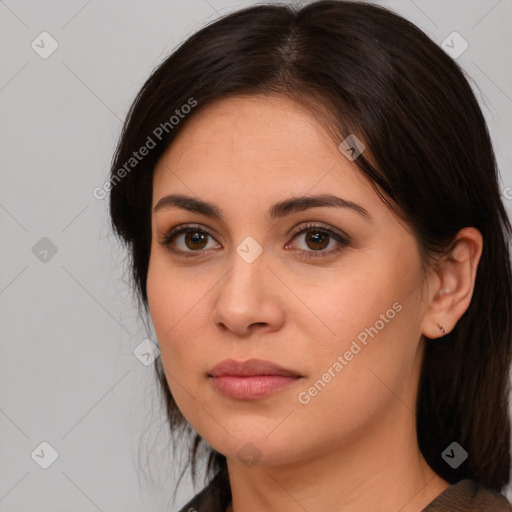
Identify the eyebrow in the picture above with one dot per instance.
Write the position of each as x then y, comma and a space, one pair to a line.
276, 211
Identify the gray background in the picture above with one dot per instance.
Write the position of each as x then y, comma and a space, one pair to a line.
68, 326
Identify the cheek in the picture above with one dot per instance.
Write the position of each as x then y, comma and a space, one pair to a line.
365, 327
347, 303
180, 311
362, 371
171, 309
172, 304
170, 295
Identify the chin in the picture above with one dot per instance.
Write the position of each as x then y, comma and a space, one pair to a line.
255, 446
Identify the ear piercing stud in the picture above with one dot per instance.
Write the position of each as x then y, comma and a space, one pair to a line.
441, 328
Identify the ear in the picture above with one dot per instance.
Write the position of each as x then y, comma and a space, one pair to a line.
451, 288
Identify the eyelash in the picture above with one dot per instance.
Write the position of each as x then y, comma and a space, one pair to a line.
303, 228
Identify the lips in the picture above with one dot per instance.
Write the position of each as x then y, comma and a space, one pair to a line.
250, 368
251, 380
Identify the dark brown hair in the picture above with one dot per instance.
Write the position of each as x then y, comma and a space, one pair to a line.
362, 69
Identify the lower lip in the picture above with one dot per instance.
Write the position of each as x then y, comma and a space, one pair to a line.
251, 387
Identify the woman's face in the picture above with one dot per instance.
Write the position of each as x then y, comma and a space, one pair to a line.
342, 311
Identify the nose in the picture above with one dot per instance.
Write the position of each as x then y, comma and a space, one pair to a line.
248, 298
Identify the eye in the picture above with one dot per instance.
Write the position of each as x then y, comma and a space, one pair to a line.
187, 240
317, 238
192, 240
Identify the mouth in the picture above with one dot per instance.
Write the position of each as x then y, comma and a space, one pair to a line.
252, 379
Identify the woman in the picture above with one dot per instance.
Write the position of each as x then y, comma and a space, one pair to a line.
310, 200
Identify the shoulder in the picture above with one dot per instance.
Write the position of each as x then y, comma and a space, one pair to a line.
464, 496
213, 498
469, 496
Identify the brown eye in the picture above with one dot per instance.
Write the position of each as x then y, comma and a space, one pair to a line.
188, 240
195, 240
317, 240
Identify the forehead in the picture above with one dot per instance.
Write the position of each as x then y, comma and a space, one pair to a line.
256, 140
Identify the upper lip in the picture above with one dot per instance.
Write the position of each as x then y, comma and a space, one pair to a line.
250, 367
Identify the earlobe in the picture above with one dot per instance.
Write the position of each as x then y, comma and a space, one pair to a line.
455, 281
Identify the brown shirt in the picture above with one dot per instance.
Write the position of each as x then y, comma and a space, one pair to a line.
464, 496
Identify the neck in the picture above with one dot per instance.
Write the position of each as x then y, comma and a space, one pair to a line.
380, 470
